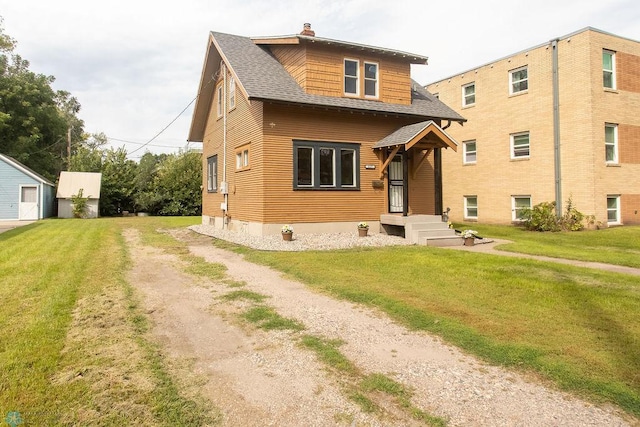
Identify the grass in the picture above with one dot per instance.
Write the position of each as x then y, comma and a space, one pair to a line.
243, 295
577, 327
615, 245
72, 348
268, 319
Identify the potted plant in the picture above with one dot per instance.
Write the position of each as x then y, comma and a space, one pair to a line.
469, 237
363, 229
287, 232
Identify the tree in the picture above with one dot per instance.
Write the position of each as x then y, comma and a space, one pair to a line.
178, 184
118, 176
87, 155
34, 118
146, 198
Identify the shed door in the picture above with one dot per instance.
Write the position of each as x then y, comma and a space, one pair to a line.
396, 185
28, 203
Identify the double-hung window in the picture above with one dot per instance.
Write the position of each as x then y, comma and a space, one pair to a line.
370, 80
518, 80
470, 207
242, 158
232, 93
469, 152
609, 69
611, 143
351, 74
520, 146
220, 99
469, 94
613, 210
212, 174
325, 165
519, 207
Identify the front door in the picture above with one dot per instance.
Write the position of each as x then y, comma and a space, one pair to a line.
396, 185
28, 209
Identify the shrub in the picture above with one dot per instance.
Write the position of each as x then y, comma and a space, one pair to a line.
79, 205
542, 217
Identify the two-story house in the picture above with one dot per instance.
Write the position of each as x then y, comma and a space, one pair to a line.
317, 133
555, 122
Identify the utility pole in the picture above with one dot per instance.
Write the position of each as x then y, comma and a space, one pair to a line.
69, 148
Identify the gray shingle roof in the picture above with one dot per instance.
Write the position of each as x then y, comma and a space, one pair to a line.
406, 133
264, 78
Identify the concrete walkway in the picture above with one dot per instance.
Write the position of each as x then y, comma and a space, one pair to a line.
10, 225
488, 246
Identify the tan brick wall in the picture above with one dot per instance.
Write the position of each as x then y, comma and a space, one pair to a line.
585, 107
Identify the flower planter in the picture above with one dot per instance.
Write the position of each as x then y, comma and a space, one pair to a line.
469, 241
362, 232
287, 237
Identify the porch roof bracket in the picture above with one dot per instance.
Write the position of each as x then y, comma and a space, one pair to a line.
383, 168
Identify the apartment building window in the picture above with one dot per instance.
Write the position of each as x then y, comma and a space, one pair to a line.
351, 69
322, 165
518, 80
609, 69
220, 99
613, 210
519, 207
212, 174
469, 152
471, 207
242, 158
520, 147
232, 93
611, 143
371, 79
469, 95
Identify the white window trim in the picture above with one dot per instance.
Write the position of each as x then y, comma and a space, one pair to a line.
514, 210
313, 167
333, 167
377, 79
219, 103
512, 151
212, 174
464, 95
465, 152
511, 82
613, 69
232, 93
353, 170
466, 206
618, 220
615, 143
357, 77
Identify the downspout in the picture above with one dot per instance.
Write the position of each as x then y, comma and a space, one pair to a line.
224, 185
556, 127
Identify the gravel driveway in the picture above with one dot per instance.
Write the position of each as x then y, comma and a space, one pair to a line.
265, 378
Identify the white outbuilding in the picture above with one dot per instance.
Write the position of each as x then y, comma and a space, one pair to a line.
70, 184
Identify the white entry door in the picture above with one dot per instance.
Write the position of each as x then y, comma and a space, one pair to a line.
28, 209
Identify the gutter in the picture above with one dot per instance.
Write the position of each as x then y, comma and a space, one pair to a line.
556, 127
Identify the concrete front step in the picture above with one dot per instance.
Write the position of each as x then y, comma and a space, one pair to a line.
441, 241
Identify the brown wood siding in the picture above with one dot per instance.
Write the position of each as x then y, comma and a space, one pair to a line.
628, 72
246, 189
293, 59
421, 188
629, 143
283, 204
630, 209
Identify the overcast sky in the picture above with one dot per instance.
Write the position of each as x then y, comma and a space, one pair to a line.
135, 65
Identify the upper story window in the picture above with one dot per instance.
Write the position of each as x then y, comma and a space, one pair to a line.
242, 158
371, 79
232, 93
469, 152
518, 80
212, 174
520, 147
220, 99
609, 69
325, 165
611, 143
351, 72
469, 94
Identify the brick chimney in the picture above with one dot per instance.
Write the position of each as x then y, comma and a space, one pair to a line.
307, 31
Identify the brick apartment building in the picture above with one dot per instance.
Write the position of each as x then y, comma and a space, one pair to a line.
557, 121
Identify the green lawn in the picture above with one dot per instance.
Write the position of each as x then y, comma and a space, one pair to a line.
615, 245
579, 328
72, 346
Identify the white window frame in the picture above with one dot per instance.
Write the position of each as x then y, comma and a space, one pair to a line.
232, 93
513, 137
333, 167
466, 96
353, 169
612, 71
220, 99
613, 144
212, 173
466, 152
512, 82
467, 206
515, 209
356, 77
616, 209
376, 79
